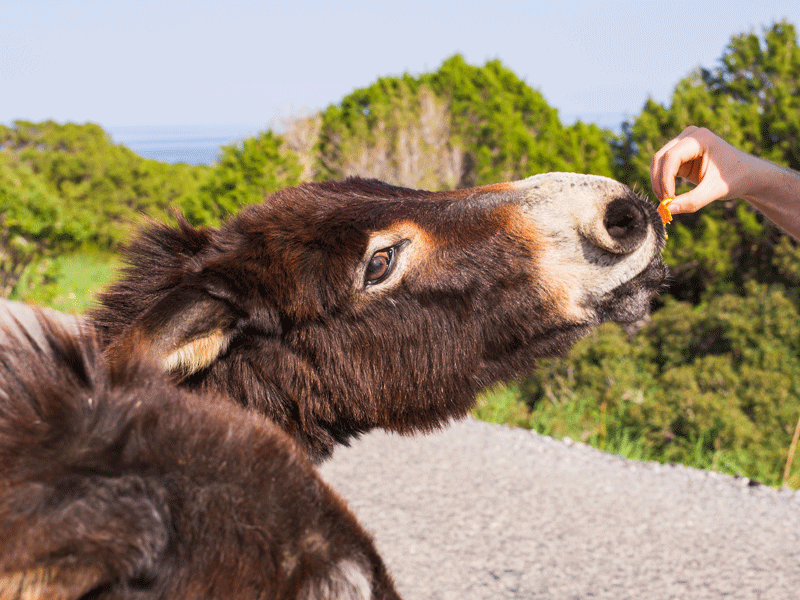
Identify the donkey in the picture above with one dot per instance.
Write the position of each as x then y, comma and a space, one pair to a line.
115, 483
335, 308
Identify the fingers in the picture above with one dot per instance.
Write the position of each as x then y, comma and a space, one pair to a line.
656, 168
689, 156
662, 176
693, 200
684, 159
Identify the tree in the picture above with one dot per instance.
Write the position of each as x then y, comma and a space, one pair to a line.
397, 130
32, 225
301, 137
244, 174
95, 178
457, 127
715, 385
507, 129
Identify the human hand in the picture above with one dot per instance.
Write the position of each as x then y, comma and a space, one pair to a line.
719, 170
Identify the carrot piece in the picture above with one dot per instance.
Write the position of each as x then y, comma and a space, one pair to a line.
663, 212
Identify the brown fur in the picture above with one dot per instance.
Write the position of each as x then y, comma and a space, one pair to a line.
271, 309
116, 484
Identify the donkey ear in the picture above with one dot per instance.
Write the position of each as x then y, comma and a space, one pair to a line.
185, 332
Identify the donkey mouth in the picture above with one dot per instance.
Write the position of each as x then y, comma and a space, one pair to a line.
631, 300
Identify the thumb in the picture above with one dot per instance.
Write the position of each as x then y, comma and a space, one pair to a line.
696, 198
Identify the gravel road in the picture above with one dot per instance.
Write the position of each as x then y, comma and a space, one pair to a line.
482, 511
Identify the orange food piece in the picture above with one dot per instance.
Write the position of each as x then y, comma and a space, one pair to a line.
663, 212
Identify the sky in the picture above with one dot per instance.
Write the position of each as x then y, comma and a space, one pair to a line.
124, 63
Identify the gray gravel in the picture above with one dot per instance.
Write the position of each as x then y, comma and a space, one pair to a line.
485, 511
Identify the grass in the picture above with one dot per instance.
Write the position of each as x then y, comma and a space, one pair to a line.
583, 420
82, 275
77, 278
580, 421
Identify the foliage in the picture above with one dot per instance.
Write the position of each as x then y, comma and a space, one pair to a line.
244, 174
103, 185
716, 385
33, 225
507, 129
397, 130
459, 126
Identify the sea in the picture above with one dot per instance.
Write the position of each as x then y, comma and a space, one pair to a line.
191, 144
201, 144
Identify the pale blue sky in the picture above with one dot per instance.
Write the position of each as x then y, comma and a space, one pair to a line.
211, 62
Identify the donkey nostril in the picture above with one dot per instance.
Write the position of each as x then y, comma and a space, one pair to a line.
626, 223
620, 227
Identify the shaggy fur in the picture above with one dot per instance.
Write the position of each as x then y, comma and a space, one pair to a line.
277, 309
116, 484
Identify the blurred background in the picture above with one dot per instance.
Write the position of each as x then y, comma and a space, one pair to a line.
112, 111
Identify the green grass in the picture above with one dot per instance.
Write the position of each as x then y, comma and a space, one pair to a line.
580, 421
77, 278
583, 420
82, 276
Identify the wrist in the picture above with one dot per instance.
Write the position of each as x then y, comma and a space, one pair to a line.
761, 179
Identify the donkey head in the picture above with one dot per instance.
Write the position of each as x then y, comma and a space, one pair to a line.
342, 306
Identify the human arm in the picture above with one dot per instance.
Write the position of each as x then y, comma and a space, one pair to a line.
722, 172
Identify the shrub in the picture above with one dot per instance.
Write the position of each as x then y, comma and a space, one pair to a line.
715, 385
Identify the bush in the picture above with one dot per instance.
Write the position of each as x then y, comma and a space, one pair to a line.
102, 186
714, 386
244, 174
33, 227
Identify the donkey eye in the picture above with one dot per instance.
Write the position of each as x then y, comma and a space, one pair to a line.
379, 267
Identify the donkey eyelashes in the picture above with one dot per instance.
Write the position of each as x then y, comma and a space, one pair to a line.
379, 267
382, 264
